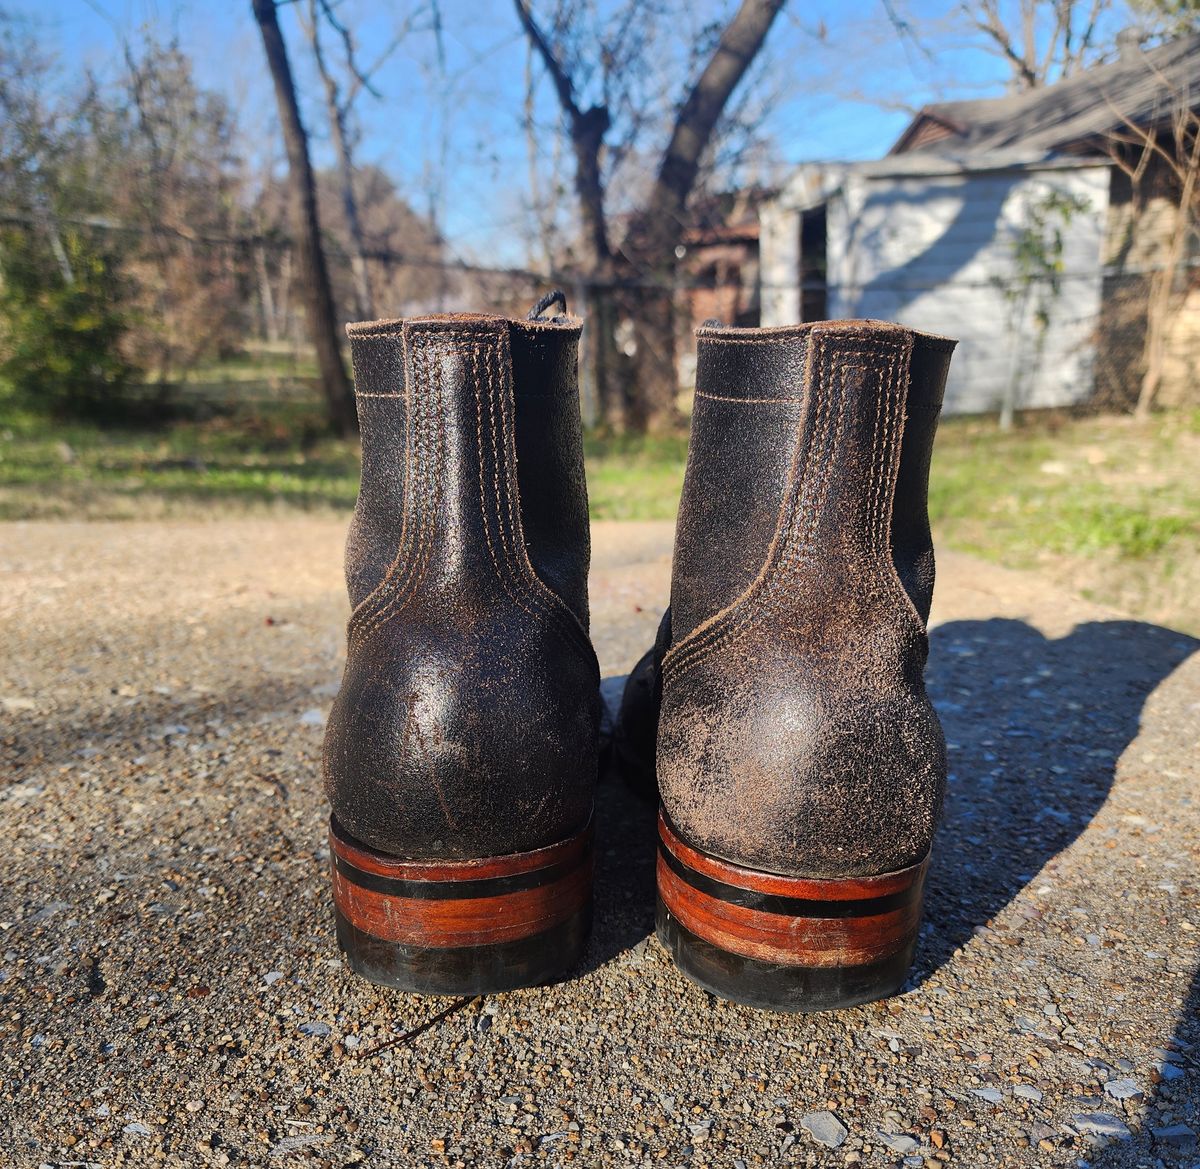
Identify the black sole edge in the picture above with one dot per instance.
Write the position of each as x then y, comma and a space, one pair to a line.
772, 987
537, 960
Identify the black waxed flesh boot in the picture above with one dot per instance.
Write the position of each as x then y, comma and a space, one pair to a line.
799, 762
461, 753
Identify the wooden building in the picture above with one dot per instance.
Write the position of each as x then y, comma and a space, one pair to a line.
1007, 224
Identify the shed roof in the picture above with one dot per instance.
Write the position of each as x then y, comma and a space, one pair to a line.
1070, 117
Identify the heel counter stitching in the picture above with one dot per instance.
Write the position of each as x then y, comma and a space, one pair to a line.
883, 553
425, 436
696, 645
512, 496
793, 544
400, 562
415, 548
513, 553
512, 569
886, 442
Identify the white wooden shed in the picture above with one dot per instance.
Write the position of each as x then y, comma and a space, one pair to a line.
932, 234
932, 243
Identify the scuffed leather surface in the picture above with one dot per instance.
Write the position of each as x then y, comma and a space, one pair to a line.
795, 735
466, 724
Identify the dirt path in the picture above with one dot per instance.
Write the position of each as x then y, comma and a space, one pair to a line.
171, 991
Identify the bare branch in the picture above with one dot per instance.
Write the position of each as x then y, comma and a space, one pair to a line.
993, 28
563, 85
737, 48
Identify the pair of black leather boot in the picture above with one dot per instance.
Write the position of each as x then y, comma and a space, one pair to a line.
782, 712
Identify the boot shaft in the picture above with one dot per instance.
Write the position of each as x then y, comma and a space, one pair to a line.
472, 458
809, 457
466, 724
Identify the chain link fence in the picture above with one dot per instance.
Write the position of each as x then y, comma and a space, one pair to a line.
219, 325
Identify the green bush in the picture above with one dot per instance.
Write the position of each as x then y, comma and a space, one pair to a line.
60, 335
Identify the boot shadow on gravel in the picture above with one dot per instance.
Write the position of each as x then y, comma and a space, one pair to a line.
626, 852
1034, 728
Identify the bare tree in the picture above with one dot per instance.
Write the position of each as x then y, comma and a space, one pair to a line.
338, 106
1042, 41
637, 277
175, 176
543, 190
1168, 19
1162, 157
322, 320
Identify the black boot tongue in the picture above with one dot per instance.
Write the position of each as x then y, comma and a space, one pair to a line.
557, 296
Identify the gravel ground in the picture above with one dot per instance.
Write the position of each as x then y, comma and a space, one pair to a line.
171, 992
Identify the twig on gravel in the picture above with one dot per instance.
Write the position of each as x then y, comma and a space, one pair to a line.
420, 1028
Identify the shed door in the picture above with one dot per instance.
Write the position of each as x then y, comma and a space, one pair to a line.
814, 289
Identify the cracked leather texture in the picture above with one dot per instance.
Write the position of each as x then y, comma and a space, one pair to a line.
794, 734
467, 720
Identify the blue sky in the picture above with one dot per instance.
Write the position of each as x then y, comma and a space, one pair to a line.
843, 95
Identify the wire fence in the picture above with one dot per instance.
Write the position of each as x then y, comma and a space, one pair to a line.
221, 322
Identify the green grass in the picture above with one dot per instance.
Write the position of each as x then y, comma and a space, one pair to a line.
281, 459
1107, 506
228, 465
278, 364
1077, 488
635, 478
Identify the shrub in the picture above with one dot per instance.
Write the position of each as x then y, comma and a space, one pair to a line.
62, 322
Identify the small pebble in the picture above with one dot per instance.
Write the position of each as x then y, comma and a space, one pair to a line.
899, 1142
1175, 1136
1100, 1124
825, 1129
991, 1095
1124, 1089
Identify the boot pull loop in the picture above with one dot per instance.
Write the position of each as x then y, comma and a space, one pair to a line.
556, 296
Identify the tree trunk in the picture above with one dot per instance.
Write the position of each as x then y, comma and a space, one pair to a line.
284, 301
610, 367
266, 298
364, 304
640, 288
610, 370
322, 321
655, 374
658, 230
1158, 307
587, 128
1159, 303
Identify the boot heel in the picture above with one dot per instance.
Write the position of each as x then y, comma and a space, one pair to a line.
785, 943
462, 927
